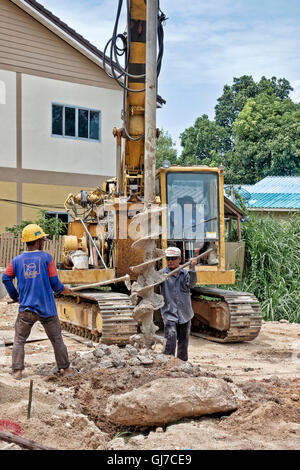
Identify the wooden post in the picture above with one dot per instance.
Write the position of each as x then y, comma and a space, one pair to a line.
30, 399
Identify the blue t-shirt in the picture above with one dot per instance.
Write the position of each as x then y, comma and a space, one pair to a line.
37, 279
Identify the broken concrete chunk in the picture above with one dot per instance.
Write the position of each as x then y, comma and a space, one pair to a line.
106, 364
162, 358
136, 372
98, 352
134, 362
113, 349
119, 363
104, 347
146, 361
131, 350
169, 399
187, 367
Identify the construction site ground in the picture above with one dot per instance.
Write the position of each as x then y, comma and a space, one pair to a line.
69, 413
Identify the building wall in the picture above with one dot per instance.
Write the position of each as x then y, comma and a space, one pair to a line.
44, 195
8, 211
7, 119
29, 47
38, 68
41, 151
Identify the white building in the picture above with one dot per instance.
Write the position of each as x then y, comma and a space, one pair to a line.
57, 112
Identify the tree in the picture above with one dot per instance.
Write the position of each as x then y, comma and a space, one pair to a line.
50, 225
165, 149
267, 139
234, 97
204, 143
255, 132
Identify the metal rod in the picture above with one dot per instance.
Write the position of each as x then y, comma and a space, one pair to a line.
91, 238
125, 278
188, 263
118, 134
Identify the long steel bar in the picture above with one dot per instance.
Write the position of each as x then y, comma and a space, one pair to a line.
125, 278
187, 263
91, 238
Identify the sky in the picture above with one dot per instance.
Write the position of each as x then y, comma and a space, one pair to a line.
207, 43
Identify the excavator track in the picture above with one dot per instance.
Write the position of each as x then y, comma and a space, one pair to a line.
98, 315
242, 311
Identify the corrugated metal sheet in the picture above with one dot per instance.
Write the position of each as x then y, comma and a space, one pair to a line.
275, 184
274, 201
273, 192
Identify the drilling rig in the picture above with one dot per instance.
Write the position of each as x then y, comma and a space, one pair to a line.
123, 227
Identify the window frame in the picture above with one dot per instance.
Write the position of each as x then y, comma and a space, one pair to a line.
218, 202
76, 137
57, 213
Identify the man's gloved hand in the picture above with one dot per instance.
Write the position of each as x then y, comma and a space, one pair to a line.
67, 290
194, 261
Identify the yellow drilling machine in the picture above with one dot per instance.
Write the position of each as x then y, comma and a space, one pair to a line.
119, 231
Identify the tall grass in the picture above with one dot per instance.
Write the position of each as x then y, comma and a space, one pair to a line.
272, 266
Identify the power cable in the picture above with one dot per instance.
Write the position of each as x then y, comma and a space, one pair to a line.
28, 204
120, 73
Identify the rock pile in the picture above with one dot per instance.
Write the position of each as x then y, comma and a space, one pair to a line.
107, 357
168, 399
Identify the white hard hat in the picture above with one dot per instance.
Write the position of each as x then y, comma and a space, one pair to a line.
173, 252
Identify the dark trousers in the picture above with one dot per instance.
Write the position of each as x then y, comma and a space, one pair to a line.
23, 325
177, 332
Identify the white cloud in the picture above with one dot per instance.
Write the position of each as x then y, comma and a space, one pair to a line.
207, 43
295, 94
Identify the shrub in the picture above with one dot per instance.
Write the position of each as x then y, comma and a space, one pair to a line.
50, 225
272, 266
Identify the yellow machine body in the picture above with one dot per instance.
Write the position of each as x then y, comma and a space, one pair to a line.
103, 219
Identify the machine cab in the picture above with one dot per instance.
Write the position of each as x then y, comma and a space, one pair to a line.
194, 217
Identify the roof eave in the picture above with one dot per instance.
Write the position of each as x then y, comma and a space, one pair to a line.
69, 35
62, 30
274, 209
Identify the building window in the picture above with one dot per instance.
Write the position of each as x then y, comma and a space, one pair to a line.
76, 123
63, 216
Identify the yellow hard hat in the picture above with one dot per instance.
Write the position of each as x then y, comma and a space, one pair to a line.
32, 232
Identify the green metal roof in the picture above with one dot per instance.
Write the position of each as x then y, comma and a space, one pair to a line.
272, 192
273, 201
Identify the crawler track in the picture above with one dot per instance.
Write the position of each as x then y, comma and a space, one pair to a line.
95, 315
244, 316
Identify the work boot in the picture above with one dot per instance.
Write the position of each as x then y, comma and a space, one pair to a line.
17, 374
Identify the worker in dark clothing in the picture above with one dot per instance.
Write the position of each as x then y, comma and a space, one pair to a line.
37, 278
177, 311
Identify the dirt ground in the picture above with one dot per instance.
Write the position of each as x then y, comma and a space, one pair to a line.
69, 414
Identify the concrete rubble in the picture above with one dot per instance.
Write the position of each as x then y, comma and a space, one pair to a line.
71, 413
106, 357
184, 393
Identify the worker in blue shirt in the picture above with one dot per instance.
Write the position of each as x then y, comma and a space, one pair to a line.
177, 311
37, 278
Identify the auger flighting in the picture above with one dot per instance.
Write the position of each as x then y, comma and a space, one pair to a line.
148, 301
